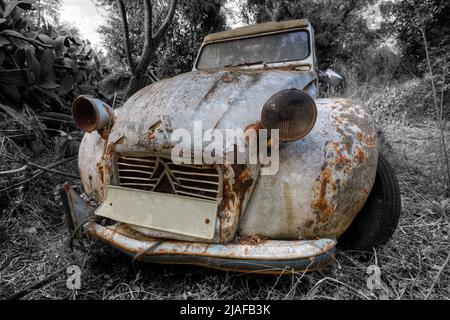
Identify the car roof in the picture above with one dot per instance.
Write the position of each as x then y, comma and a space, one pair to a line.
261, 28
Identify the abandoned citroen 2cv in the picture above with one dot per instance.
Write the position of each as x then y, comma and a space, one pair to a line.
331, 184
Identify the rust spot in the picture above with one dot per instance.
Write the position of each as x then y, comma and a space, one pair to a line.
104, 132
233, 198
245, 176
153, 130
368, 140
101, 172
254, 126
244, 182
321, 202
251, 239
360, 156
229, 77
112, 147
309, 223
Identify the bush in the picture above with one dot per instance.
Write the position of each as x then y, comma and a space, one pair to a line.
43, 67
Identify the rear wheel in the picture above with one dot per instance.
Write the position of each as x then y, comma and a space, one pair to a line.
376, 222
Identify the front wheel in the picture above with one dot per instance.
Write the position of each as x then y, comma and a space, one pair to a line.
376, 222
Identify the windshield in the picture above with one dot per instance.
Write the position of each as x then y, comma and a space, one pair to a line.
280, 47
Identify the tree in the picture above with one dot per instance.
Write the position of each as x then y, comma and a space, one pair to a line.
47, 11
178, 49
341, 30
185, 36
413, 15
152, 40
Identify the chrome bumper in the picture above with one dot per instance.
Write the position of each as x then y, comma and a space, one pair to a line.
266, 257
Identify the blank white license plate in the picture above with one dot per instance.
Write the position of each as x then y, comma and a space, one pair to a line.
160, 211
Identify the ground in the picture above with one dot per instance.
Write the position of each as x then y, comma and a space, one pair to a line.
34, 241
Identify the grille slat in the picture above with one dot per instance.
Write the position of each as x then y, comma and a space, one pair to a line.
137, 184
197, 196
131, 165
135, 178
199, 181
198, 189
134, 171
162, 175
195, 173
139, 159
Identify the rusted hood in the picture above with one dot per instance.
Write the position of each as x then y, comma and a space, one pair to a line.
220, 100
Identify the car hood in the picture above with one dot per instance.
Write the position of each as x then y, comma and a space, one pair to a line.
227, 99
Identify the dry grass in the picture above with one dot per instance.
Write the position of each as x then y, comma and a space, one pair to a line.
33, 244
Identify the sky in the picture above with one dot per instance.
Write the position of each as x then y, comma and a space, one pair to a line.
85, 16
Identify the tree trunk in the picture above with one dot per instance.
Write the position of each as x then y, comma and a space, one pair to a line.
137, 82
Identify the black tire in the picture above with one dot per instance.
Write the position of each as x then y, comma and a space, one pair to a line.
376, 222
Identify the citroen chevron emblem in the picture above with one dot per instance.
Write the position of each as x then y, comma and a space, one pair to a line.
166, 172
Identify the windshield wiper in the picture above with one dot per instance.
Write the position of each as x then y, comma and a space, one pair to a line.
243, 64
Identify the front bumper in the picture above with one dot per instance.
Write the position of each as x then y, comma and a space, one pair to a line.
265, 257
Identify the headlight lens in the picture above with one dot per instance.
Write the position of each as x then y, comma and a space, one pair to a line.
92, 114
292, 111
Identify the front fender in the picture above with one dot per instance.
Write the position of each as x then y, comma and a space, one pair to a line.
323, 181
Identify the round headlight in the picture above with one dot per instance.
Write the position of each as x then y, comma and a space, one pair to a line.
92, 114
292, 111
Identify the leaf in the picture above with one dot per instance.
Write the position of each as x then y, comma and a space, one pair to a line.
47, 61
48, 84
46, 39
14, 114
33, 63
12, 93
4, 41
11, 5
17, 35
19, 58
66, 85
14, 77
68, 63
51, 96
63, 41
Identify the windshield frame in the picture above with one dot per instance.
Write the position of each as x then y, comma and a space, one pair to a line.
310, 49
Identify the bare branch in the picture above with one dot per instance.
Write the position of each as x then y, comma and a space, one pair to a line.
148, 40
167, 21
14, 170
151, 43
126, 35
54, 171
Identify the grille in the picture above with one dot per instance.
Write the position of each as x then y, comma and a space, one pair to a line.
159, 174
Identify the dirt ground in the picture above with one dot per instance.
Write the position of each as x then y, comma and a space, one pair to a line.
34, 244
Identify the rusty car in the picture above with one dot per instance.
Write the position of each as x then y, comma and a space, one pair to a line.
333, 188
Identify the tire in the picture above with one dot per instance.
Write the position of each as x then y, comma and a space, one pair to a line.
376, 222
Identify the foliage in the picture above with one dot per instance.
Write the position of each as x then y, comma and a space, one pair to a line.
46, 11
192, 21
340, 29
410, 16
43, 67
